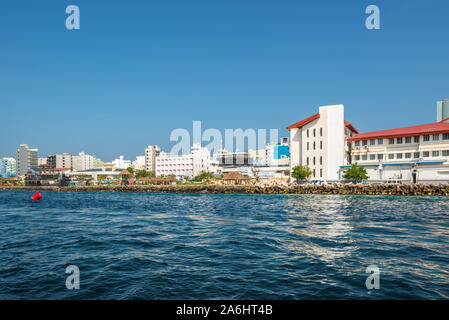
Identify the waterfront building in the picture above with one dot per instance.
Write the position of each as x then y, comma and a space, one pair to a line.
7, 167
26, 159
184, 166
416, 154
151, 152
320, 142
121, 163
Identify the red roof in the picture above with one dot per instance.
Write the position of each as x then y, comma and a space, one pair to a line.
431, 128
350, 126
302, 123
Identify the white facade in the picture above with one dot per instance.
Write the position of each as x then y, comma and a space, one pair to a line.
185, 165
86, 161
319, 142
139, 163
416, 156
151, 152
121, 163
26, 159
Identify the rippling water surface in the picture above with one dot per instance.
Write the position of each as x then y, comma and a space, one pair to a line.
170, 246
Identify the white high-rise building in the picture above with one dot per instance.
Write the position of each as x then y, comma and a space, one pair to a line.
26, 159
320, 142
86, 161
151, 152
189, 165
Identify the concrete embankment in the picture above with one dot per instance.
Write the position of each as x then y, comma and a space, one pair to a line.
343, 189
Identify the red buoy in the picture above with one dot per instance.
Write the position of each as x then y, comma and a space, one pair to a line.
36, 196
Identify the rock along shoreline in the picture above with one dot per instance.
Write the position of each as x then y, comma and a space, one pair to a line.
340, 189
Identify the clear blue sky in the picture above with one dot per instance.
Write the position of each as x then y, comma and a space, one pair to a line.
136, 70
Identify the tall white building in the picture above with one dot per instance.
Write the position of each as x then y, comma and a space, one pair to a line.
151, 152
189, 165
320, 142
86, 161
121, 163
26, 159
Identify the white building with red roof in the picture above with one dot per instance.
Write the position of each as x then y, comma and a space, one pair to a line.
320, 142
409, 155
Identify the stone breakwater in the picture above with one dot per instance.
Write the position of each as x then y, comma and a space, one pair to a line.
342, 189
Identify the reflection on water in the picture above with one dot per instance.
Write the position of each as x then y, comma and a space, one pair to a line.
167, 246
320, 229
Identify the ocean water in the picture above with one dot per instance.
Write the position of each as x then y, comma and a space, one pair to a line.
180, 246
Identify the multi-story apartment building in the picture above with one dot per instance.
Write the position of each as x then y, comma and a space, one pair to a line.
86, 162
320, 142
60, 161
410, 154
8, 167
151, 152
189, 165
26, 159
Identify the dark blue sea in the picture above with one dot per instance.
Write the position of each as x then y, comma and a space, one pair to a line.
178, 246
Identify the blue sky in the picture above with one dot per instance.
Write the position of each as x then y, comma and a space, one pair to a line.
136, 70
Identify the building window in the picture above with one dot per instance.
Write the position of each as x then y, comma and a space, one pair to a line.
380, 141
364, 142
314, 173
380, 156
321, 160
399, 140
321, 145
307, 133
357, 143
435, 153
398, 155
416, 139
391, 156
364, 157
321, 172
416, 155
372, 157
445, 136
391, 141
408, 155
425, 154
426, 137
436, 137
408, 140
314, 161
307, 160
357, 157
445, 153
321, 132
307, 146
314, 133
314, 145
372, 142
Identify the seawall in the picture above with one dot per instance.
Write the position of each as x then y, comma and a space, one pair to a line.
342, 189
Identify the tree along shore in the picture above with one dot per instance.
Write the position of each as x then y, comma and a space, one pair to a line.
343, 189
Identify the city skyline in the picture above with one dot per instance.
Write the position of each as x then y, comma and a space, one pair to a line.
160, 66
